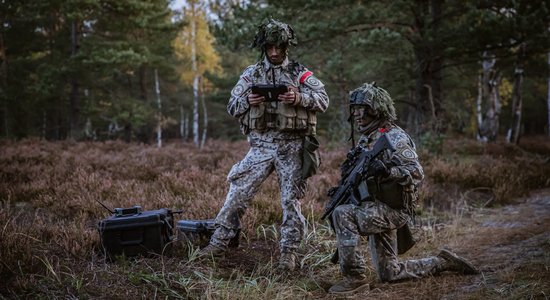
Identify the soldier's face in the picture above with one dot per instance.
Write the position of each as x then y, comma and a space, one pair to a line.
275, 55
363, 114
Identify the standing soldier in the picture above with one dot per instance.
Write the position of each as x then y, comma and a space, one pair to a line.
392, 179
279, 133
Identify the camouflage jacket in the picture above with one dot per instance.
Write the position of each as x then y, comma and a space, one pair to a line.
313, 95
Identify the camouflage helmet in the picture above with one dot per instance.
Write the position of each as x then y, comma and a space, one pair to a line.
375, 97
274, 32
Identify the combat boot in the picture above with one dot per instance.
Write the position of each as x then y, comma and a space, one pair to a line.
211, 251
350, 285
454, 263
287, 261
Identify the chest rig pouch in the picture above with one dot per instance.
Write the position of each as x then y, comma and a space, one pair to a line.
391, 193
280, 116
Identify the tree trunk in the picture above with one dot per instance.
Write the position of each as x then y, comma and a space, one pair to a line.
182, 123
74, 129
159, 114
196, 110
186, 132
548, 97
4, 82
517, 101
429, 62
479, 101
197, 76
490, 104
204, 116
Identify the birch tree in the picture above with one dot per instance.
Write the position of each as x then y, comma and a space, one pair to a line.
204, 117
159, 114
488, 101
194, 48
517, 101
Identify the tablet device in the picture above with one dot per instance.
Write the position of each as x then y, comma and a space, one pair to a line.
270, 91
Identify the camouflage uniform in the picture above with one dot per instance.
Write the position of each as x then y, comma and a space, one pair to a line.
393, 190
378, 220
275, 132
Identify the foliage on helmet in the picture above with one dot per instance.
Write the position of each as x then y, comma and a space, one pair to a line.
275, 33
376, 97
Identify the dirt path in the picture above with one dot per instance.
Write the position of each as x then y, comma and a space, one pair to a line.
511, 247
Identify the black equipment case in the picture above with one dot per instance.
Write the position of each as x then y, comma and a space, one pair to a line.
132, 232
198, 232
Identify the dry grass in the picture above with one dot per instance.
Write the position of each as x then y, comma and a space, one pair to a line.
49, 246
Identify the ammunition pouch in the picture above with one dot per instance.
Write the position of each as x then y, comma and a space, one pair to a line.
255, 118
283, 117
391, 193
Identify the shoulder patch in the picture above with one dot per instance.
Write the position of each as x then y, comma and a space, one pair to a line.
246, 79
239, 89
244, 83
402, 143
312, 82
305, 76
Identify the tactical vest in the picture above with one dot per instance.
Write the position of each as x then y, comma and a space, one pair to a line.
280, 116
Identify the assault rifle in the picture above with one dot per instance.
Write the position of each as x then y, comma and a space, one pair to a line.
352, 180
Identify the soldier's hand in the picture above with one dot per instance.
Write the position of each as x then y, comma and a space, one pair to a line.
291, 97
377, 168
255, 99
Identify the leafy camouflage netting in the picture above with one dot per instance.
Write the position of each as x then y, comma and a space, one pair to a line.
375, 97
275, 33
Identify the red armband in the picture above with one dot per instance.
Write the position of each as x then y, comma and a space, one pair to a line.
305, 76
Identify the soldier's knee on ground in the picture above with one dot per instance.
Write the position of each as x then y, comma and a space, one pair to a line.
341, 213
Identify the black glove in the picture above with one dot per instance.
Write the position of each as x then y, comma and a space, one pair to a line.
378, 169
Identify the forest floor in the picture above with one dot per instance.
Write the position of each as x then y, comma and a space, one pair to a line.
50, 247
510, 245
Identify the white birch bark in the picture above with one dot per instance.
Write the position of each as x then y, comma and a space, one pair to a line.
195, 72
182, 123
479, 101
489, 104
159, 114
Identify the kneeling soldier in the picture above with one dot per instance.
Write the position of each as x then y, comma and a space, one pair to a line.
392, 180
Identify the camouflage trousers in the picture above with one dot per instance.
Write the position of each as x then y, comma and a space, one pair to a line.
380, 223
267, 154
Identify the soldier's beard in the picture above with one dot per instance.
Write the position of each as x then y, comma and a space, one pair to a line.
276, 59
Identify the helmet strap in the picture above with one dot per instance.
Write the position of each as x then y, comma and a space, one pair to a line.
352, 133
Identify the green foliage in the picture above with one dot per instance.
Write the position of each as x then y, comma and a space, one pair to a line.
428, 64
77, 56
